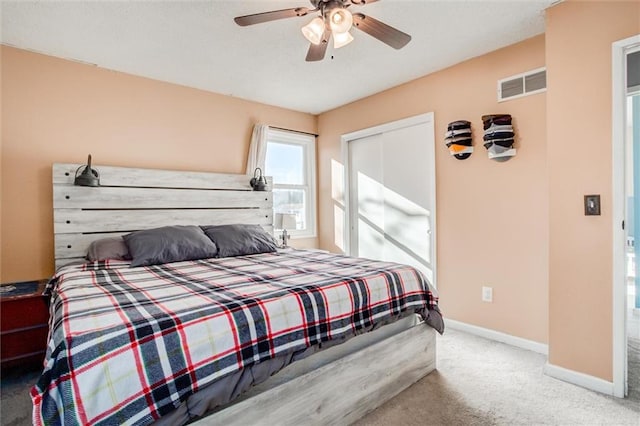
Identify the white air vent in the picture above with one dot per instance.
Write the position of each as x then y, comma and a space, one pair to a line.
523, 84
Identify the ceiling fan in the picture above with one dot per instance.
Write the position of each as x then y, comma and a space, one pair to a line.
334, 20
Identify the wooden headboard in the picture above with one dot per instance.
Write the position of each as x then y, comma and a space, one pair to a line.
130, 199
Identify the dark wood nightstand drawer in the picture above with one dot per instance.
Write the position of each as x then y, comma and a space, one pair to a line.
24, 342
21, 312
24, 318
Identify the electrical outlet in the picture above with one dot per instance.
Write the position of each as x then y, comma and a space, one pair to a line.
487, 294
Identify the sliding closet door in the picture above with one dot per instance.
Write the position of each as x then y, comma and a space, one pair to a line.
367, 195
391, 181
407, 183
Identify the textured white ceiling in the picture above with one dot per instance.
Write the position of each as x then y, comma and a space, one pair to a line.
197, 44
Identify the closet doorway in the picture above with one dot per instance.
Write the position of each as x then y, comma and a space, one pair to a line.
390, 185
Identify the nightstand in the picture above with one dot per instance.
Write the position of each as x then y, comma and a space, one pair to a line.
24, 320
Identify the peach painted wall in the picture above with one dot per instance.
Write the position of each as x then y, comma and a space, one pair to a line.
578, 55
492, 217
55, 110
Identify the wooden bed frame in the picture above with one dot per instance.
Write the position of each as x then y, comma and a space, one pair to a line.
342, 391
360, 376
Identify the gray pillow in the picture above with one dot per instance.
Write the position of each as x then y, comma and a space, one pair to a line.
240, 240
169, 244
108, 248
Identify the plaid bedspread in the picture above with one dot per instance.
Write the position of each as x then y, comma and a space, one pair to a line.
127, 345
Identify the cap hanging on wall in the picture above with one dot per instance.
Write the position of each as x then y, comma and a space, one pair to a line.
259, 182
458, 139
498, 136
88, 176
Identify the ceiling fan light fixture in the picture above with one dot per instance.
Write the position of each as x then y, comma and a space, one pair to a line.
314, 30
340, 20
335, 20
341, 39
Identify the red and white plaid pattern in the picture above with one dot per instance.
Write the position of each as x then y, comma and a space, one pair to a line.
127, 345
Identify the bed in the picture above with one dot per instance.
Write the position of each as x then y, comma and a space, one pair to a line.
285, 336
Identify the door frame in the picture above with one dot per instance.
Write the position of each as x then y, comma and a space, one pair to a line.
620, 49
431, 166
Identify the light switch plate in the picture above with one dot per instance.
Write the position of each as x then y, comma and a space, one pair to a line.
592, 205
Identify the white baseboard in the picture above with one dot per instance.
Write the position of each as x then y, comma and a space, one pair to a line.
498, 336
580, 379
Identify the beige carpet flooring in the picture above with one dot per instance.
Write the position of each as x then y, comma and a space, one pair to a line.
482, 382
478, 382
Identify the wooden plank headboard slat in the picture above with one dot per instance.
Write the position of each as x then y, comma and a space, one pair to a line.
150, 178
83, 197
83, 221
76, 245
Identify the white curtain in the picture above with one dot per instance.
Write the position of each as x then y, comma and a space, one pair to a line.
258, 148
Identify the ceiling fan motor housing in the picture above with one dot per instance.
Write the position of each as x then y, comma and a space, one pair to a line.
320, 4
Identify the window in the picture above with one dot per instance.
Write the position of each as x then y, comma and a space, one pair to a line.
291, 161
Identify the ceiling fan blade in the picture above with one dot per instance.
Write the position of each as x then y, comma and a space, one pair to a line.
383, 32
259, 18
316, 51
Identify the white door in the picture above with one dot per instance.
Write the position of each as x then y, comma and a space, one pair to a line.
366, 197
632, 220
392, 193
625, 208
